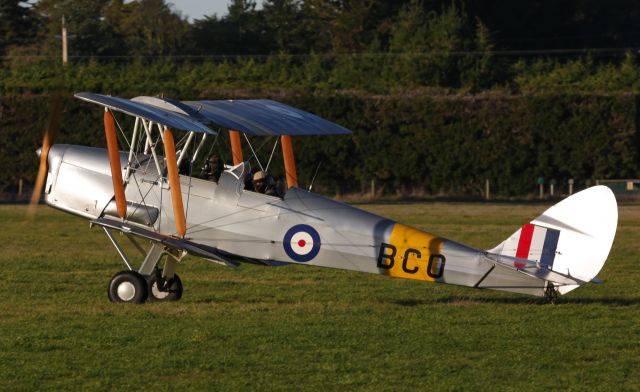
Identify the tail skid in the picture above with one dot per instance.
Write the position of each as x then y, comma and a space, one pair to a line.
568, 244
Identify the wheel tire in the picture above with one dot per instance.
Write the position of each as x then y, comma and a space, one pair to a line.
156, 295
128, 286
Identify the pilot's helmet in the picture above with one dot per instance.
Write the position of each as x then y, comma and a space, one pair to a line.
214, 163
259, 176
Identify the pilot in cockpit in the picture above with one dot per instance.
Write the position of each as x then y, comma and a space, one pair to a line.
264, 183
213, 168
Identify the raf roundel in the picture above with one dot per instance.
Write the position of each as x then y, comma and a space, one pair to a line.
302, 243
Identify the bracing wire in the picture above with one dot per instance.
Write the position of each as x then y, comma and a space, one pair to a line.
186, 212
253, 151
120, 128
272, 152
314, 175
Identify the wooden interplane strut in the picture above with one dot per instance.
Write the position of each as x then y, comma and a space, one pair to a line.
174, 182
114, 161
236, 147
289, 161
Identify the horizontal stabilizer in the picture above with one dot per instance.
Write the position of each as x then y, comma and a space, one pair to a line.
533, 269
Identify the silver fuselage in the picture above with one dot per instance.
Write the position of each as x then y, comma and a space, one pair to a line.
254, 226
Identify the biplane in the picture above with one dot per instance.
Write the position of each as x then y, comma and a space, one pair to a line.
140, 189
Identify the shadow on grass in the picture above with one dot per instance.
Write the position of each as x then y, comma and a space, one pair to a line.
462, 300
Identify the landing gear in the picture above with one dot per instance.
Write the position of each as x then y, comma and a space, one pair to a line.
150, 282
163, 289
128, 286
550, 294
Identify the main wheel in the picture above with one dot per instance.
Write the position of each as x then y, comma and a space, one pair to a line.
128, 286
167, 290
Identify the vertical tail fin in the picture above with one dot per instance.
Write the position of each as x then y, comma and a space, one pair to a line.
573, 237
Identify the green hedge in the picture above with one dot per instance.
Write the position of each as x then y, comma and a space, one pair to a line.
420, 143
371, 73
450, 145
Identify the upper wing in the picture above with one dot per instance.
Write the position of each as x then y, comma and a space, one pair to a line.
264, 117
259, 117
148, 111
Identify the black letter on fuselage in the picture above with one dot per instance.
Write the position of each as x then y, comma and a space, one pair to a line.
383, 255
433, 259
406, 257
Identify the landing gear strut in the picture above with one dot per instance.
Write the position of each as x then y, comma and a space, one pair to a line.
150, 282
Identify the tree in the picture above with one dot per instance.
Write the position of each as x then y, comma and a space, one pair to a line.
339, 26
17, 24
248, 27
283, 19
150, 28
211, 36
88, 35
429, 45
480, 73
242, 31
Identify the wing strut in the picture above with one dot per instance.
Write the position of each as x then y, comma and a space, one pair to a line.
114, 161
174, 182
236, 147
289, 162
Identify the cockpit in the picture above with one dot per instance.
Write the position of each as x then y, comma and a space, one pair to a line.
242, 178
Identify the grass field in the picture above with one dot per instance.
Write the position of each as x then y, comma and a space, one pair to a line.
305, 328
